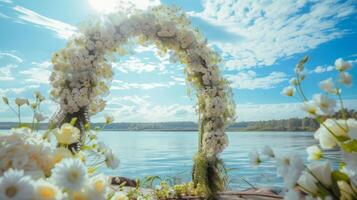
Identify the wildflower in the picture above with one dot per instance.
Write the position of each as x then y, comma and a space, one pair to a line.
254, 158
314, 152
119, 196
15, 186
328, 86
20, 102
267, 150
322, 172
352, 128
327, 139
39, 117
307, 182
70, 174
67, 134
109, 119
350, 160
309, 107
342, 65
47, 191
290, 167
345, 78
325, 104
61, 153
293, 81
346, 190
288, 91
98, 187
111, 160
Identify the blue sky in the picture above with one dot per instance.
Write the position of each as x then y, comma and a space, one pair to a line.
260, 43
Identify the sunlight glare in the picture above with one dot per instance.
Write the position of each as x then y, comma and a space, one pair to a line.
108, 6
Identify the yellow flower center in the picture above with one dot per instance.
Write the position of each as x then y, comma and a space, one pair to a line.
73, 176
78, 196
11, 191
46, 192
99, 186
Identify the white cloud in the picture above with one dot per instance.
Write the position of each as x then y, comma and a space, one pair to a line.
272, 30
141, 109
5, 54
122, 85
321, 69
250, 80
5, 72
39, 74
63, 30
17, 90
137, 65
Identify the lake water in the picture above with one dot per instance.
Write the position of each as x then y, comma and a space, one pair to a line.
169, 154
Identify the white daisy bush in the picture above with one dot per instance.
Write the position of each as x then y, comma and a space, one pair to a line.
319, 179
38, 165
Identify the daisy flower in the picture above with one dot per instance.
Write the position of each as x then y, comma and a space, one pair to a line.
70, 174
47, 191
15, 186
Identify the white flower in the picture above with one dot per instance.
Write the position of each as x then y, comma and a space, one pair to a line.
307, 182
352, 128
98, 186
291, 195
15, 186
111, 160
325, 104
326, 138
346, 190
267, 150
328, 86
309, 107
314, 152
47, 191
288, 91
70, 174
254, 158
61, 153
67, 134
109, 119
20, 102
342, 65
293, 81
120, 196
322, 172
39, 117
345, 78
290, 167
350, 160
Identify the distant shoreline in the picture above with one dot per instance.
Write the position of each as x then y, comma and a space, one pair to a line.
285, 125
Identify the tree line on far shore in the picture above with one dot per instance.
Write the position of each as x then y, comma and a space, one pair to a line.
292, 124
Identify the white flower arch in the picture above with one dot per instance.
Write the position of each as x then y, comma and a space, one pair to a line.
82, 72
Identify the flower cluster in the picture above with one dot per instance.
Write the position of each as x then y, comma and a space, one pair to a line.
24, 150
82, 72
69, 180
319, 180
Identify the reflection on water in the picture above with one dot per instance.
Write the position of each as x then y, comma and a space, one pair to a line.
169, 154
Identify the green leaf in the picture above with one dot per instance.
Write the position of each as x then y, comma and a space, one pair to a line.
350, 146
339, 176
86, 147
73, 121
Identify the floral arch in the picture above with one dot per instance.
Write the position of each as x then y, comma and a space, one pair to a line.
82, 74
